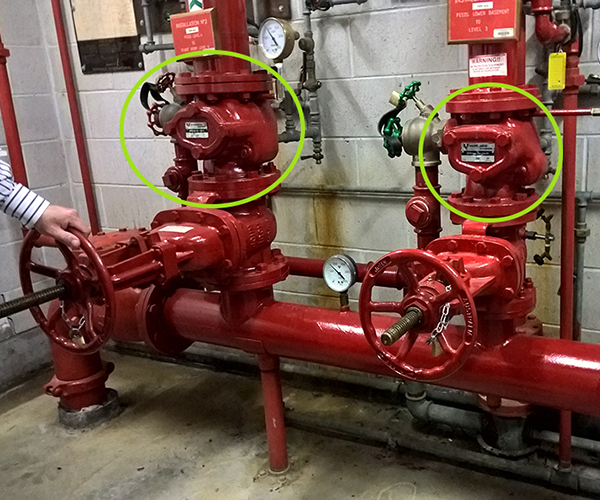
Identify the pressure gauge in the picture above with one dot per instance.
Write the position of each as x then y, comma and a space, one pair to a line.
340, 272
276, 38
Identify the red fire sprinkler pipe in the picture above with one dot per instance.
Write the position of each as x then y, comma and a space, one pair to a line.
567, 269
9, 119
545, 30
542, 371
86, 178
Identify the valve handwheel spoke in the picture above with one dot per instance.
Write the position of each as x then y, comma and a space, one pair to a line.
425, 313
48, 272
391, 307
89, 290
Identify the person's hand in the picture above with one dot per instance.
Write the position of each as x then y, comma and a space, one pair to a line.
54, 223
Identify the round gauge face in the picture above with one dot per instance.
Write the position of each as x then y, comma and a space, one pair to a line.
340, 273
272, 38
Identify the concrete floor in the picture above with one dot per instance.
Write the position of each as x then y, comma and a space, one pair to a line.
188, 433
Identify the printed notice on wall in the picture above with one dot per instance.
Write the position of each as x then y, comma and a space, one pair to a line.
488, 65
480, 21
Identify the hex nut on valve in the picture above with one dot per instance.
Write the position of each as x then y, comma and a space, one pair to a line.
418, 213
171, 179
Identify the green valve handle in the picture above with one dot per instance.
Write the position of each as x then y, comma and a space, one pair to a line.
390, 126
411, 90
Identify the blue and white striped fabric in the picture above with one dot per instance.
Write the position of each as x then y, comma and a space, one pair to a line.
16, 200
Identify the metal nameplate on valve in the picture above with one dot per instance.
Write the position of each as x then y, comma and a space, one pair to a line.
194, 31
472, 21
477, 152
196, 130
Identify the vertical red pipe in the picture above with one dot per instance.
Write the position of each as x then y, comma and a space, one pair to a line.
515, 58
9, 119
87, 375
273, 401
233, 36
63, 46
567, 265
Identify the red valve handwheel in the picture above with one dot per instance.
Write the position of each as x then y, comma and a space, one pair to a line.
429, 295
90, 295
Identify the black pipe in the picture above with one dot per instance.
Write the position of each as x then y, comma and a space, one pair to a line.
33, 299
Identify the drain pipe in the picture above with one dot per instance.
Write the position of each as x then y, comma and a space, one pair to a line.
583, 199
86, 176
427, 411
9, 119
422, 409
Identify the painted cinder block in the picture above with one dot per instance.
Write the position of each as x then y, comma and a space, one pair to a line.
109, 166
36, 116
295, 218
103, 112
22, 356
338, 169
355, 106
46, 164
28, 71
377, 48
362, 223
129, 206
19, 23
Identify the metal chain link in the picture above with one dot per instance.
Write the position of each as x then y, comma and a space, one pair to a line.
75, 330
443, 323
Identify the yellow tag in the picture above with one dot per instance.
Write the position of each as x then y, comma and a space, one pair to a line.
557, 64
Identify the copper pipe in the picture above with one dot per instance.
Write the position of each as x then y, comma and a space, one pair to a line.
86, 177
9, 119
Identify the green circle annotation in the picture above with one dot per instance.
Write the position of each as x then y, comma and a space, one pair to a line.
535, 204
211, 52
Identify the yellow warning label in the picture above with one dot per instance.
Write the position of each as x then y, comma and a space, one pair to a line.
557, 65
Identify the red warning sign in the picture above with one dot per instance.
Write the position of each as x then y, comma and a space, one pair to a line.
193, 31
483, 21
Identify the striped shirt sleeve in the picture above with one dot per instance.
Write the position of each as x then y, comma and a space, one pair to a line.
18, 201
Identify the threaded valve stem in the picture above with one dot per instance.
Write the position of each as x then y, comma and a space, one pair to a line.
412, 318
33, 299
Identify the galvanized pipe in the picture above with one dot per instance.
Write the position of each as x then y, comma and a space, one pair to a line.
581, 234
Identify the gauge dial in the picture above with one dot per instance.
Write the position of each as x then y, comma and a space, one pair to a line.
276, 38
340, 272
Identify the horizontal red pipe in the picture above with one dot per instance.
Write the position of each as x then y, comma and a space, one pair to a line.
571, 112
313, 268
547, 372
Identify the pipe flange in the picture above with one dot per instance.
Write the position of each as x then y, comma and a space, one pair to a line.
153, 328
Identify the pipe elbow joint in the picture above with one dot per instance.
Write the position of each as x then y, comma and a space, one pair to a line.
418, 405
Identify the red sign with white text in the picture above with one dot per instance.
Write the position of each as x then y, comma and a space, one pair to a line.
193, 31
483, 21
